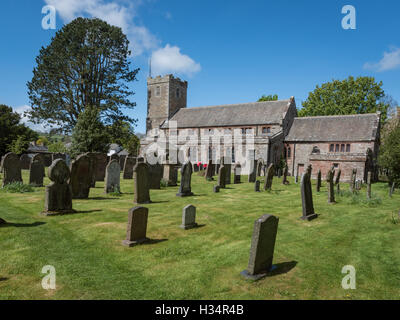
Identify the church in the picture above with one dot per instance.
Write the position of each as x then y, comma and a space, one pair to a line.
267, 131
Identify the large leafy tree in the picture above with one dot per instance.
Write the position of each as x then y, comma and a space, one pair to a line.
389, 156
11, 130
86, 64
349, 96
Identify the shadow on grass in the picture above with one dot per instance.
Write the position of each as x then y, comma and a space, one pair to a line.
153, 202
3, 279
154, 241
22, 225
282, 268
100, 198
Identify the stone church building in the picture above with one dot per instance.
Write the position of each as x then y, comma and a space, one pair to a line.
276, 132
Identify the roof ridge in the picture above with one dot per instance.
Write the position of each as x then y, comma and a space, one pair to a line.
339, 116
235, 104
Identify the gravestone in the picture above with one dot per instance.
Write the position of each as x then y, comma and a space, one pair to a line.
209, 171
58, 198
337, 180
189, 217
129, 164
92, 168
319, 181
25, 161
185, 189
257, 186
137, 227
155, 176
48, 159
221, 177
141, 182
331, 188
391, 189
122, 158
112, 179
306, 196
237, 173
196, 167
262, 247
170, 175
11, 168
353, 180
216, 189
39, 157
81, 178
269, 176
369, 176
296, 178
57, 155
36, 173
260, 165
285, 175
114, 156
226, 162
253, 171
101, 164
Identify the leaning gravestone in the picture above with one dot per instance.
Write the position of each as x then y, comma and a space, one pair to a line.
237, 173
141, 182
257, 186
269, 176
306, 196
226, 162
36, 173
101, 164
58, 198
369, 184
155, 176
185, 189
170, 175
11, 168
285, 175
337, 180
260, 165
129, 164
189, 217
222, 177
319, 181
113, 174
209, 171
262, 247
81, 177
253, 171
137, 227
25, 161
331, 188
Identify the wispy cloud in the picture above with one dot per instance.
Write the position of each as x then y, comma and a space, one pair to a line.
170, 59
42, 127
390, 61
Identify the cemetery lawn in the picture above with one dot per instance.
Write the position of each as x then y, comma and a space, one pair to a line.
204, 263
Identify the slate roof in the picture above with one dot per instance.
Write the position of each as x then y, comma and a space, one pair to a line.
360, 127
245, 114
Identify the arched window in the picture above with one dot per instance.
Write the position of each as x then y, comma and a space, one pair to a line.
316, 150
289, 153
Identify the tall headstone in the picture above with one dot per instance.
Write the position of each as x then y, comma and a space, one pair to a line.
185, 189
58, 198
39, 157
306, 196
369, 178
353, 180
189, 217
331, 188
25, 161
137, 227
222, 177
129, 164
227, 163
260, 164
262, 247
285, 174
209, 170
155, 176
257, 186
36, 173
319, 181
337, 180
11, 168
81, 178
101, 164
170, 175
92, 168
253, 171
113, 174
237, 173
141, 182
269, 176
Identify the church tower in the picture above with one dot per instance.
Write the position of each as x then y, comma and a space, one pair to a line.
165, 96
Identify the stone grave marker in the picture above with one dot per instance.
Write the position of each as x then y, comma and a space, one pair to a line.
170, 175
306, 196
36, 173
319, 181
137, 227
237, 173
129, 164
221, 177
112, 179
189, 217
11, 167
257, 186
269, 176
185, 189
141, 182
81, 177
331, 188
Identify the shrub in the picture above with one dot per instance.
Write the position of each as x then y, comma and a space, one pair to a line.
18, 187
163, 183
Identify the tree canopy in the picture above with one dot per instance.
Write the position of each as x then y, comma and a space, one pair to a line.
389, 155
349, 96
268, 98
86, 64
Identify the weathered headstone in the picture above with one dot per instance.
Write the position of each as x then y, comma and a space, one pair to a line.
269, 176
196, 167
155, 176
262, 247
369, 178
257, 186
129, 164
253, 171
353, 180
337, 180
216, 189
189, 217
58, 198
306, 196
170, 175
185, 189
331, 188
285, 174
11, 168
81, 178
227, 163
25, 161
319, 181
209, 170
113, 174
39, 157
260, 164
36, 173
92, 168
114, 156
222, 177
137, 227
237, 173
141, 182
101, 164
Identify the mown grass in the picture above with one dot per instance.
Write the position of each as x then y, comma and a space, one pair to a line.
203, 263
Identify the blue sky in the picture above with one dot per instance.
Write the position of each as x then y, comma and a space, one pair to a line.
228, 51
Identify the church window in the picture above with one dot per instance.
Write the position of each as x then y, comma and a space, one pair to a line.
289, 153
337, 148
347, 147
332, 148
342, 148
158, 91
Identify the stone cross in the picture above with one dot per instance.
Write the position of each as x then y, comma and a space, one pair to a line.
58, 197
185, 189
36, 175
129, 164
369, 184
137, 227
189, 217
262, 247
306, 196
141, 182
319, 181
81, 178
269, 177
113, 174
331, 188
222, 177
11, 167
171, 175
236, 173
257, 186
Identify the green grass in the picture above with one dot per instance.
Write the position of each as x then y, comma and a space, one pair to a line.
203, 263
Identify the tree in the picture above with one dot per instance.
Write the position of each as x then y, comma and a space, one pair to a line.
89, 134
42, 141
389, 155
350, 96
57, 147
86, 64
19, 145
268, 98
132, 145
11, 129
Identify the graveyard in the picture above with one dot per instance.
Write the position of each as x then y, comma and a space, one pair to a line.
204, 262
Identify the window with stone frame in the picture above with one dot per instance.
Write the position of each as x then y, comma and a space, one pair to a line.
348, 147
158, 91
332, 148
289, 153
337, 148
342, 147
233, 154
266, 130
228, 131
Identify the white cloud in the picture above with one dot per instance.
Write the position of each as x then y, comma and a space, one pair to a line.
170, 60
42, 127
390, 61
